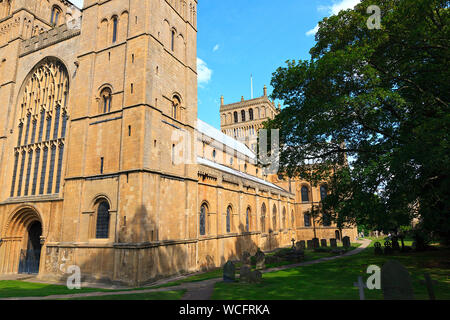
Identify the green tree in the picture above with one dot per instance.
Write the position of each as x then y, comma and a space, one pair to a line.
381, 98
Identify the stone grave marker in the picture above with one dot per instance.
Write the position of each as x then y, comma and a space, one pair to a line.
316, 243
245, 273
260, 260
333, 243
396, 282
378, 250
346, 242
323, 243
300, 245
395, 244
388, 248
229, 272
255, 277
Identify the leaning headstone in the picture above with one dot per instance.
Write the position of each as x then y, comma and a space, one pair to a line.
396, 282
333, 243
316, 243
260, 260
245, 273
255, 277
323, 243
300, 245
388, 248
346, 242
229, 272
245, 260
378, 250
309, 244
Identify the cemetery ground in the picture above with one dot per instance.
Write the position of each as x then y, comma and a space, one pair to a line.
331, 280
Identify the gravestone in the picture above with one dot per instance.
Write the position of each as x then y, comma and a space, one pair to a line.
378, 250
333, 243
323, 243
255, 277
246, 258
388, 248
260, 260
309, 244
346, 242
396, 282
300, 245
316, 243
229, 272
245, 273
395, 244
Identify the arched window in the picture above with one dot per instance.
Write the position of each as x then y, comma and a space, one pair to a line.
203, 210
115, 22
307, 218
305, 194
106, 99
172, 41
235, 114
229, 213
323, 192
243, 115
56, 13
176, 105
102, 227
248, 219
263, 218
250, 114
274, 217
42, 108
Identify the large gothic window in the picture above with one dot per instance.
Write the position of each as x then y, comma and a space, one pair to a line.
102, 228
41, 131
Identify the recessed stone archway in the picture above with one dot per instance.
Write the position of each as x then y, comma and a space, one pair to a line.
20, 250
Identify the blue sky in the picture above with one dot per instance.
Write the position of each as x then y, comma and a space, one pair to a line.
237, 38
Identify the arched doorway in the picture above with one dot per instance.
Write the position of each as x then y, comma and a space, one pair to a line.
21, 246
30, 257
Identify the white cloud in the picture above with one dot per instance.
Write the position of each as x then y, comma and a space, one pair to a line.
333, 9
313, 31
216, 47
204, 73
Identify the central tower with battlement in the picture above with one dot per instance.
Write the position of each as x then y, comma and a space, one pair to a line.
242, 120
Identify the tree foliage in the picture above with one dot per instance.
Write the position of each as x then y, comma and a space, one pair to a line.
380, 97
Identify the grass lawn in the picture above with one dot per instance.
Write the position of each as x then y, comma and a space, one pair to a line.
334, 280
166, 295
13, 288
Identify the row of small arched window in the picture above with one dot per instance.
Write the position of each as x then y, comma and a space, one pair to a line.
248, 218
304, 191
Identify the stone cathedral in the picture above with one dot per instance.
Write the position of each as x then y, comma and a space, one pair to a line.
94, 103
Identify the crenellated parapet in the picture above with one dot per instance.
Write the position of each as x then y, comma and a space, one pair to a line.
63, 32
